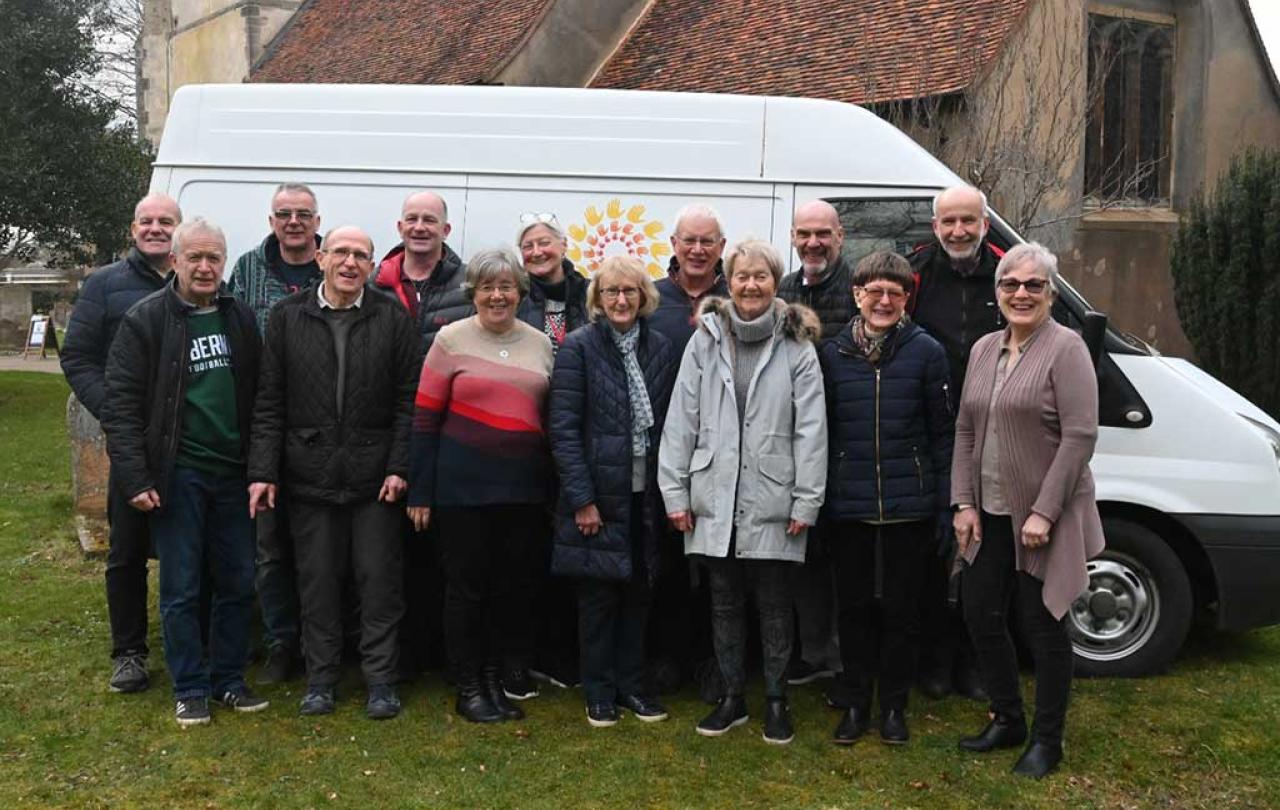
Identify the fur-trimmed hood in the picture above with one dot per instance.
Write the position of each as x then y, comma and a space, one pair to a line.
794, 321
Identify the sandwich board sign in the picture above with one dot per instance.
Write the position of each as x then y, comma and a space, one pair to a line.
40, 335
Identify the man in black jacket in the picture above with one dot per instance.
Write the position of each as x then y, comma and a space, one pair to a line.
824, 284
422, 272
180, 386
284, 263
107, 295
955, 298
331, 429
955, 302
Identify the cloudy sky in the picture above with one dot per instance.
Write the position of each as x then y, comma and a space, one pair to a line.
1267, 15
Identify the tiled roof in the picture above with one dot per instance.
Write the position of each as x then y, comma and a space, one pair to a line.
849, 50
398, 41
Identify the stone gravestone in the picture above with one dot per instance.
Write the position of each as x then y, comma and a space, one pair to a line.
89, 468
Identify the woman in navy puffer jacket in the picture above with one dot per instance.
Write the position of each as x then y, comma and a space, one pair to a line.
891, 431
609, 394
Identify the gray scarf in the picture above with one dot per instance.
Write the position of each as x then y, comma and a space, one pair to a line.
641, 408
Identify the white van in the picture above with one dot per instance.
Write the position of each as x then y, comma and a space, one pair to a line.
1188, 472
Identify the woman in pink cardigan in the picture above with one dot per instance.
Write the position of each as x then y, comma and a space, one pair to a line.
1025, 520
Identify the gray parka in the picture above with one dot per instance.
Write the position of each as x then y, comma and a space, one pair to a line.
777, 470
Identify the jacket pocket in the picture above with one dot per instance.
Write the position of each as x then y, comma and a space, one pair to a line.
702, 479
915, 456
306, 456
777, 486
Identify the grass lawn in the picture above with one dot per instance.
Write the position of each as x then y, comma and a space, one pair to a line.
1205, 735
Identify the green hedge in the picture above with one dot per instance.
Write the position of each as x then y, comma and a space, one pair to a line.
1226, 277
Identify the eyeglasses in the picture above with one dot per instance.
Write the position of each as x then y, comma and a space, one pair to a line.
286, 214
1034, 286
536, 217
699, 241
490, 289
342, 254
612, 293
883, 292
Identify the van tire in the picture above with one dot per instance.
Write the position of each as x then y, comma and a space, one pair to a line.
1134, 615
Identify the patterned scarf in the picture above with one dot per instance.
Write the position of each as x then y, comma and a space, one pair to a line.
872, 346
641, 408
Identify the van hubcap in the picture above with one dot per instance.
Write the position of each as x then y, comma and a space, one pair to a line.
1118, 611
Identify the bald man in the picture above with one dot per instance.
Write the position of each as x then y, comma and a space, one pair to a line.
331, 426
107, 295
823, 282
422, 272
955, 300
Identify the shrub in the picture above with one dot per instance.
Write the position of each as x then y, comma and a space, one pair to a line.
1226, 277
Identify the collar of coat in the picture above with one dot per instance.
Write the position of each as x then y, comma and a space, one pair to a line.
794, 321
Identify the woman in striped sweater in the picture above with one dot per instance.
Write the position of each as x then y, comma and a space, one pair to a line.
1026, 519
482, 470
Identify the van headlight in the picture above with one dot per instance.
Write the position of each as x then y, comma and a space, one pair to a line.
1268, 433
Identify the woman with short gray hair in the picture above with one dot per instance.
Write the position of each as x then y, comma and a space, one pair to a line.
557, 291
1026, 520
481, 468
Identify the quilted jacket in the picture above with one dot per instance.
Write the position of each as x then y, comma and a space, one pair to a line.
831, 298
590, 431
299, 441
891, 428
146, 385
105, 298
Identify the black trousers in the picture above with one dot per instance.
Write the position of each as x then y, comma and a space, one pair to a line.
421, 631
892, 635
129, 547
680, 621
555, 609
612, 615
488, 556
275, 580
813, 590
988, 587
364, 539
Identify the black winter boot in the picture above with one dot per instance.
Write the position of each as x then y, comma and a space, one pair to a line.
474, 702
493, 689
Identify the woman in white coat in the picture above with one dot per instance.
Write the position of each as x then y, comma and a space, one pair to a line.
743, 466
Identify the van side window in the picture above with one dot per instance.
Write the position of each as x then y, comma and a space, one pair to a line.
871, 225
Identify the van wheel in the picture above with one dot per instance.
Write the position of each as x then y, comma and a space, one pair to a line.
1134, 615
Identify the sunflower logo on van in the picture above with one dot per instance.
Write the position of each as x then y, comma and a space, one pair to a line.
617, 232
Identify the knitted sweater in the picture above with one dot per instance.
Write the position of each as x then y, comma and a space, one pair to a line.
479, 435
1047, 413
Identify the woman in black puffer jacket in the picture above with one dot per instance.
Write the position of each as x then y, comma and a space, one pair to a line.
891, 432
609, 393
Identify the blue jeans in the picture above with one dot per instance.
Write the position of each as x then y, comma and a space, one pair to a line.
202, 523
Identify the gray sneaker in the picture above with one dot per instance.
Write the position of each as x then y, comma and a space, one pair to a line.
192, 712
242, 700
129, 674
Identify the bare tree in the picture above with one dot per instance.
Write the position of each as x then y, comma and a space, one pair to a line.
1017, 131
117, 35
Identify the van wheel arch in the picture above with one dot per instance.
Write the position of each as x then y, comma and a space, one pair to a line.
1134, 616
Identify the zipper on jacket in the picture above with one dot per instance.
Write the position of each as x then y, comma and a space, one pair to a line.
915, 456
879, 484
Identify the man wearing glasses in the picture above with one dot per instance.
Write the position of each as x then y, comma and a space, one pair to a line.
422, 272
955, 302
331, 427
680, 626
695, 273
283, 264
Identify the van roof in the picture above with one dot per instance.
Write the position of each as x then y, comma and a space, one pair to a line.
540, 131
